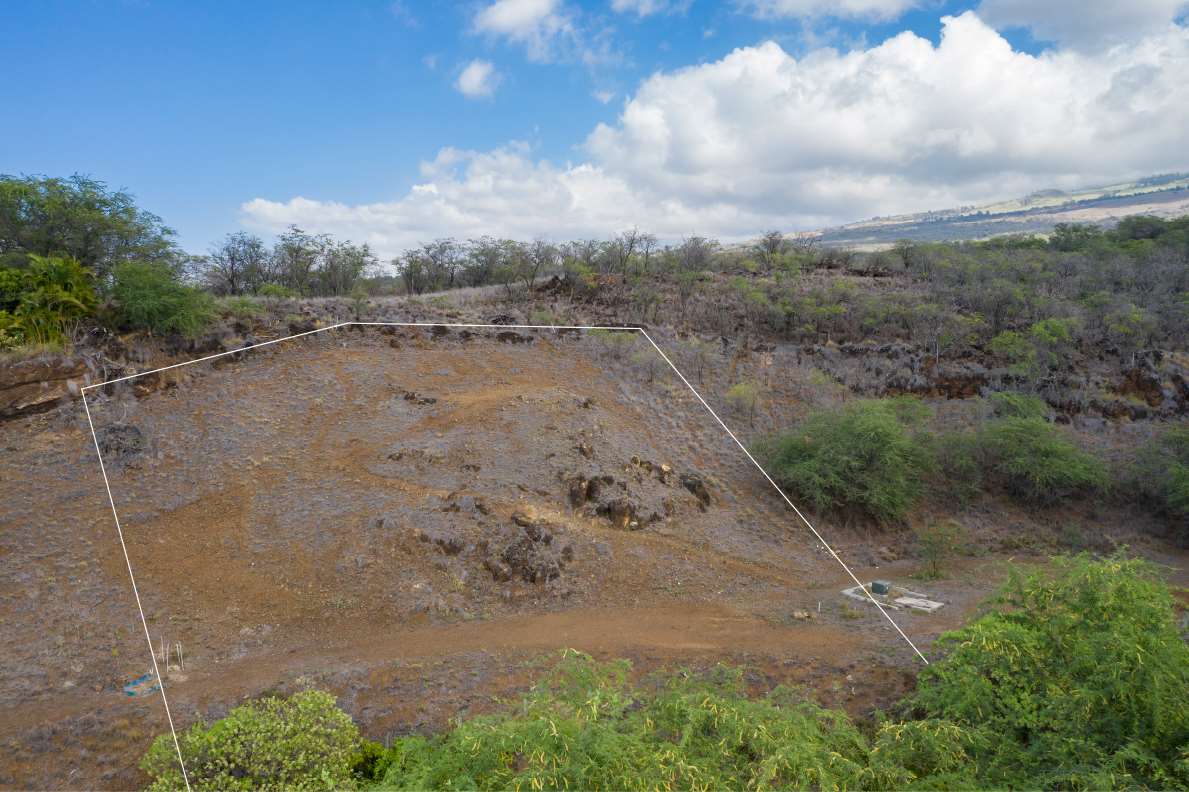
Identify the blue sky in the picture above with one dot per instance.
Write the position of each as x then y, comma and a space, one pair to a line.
220, 115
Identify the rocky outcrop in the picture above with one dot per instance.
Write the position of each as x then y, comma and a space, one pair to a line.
1156, 385
640, 494
1160, 380
530, 551
39, 384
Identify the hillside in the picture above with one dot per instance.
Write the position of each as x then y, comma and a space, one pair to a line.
408, 519
1162, 196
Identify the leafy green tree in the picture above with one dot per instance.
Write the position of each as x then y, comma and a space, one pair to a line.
1069, 237
78, 218
342, 266
239, 264
304, 742
295, 257
860, 458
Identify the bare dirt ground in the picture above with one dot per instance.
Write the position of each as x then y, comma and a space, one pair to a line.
409, 520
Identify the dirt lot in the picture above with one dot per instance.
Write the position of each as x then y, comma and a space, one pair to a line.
407, 519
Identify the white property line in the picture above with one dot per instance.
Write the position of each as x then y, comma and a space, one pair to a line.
642, 331
136, 594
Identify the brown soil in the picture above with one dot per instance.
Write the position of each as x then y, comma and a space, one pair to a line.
368, 513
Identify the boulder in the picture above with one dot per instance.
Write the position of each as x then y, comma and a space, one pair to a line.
120, 442
698, 488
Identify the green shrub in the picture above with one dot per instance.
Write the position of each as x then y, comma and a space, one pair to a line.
150, 297
42, 300
925, 754
1017, 350
859, 458
1036, 463
275, 291
959, 470
12, 334
303, 742
743, 398
241, 307
1008, 404
1077, 680
586, 728
1161, 473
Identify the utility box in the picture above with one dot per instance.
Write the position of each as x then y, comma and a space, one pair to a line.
881, 587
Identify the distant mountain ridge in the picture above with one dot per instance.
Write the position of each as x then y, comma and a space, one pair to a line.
1165, 195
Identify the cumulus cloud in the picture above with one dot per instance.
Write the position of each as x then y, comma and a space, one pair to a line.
478, 79
1084, 23
761, 139
537, 24
852, 9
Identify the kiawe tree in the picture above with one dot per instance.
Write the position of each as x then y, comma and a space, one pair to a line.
78, 218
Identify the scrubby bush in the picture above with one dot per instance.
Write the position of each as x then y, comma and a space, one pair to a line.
958, 466
275, 292
149, 296
1036, 463
241, 307
1077, 680
863, 457
1009, 404
744, 397
936, 542
304, 742
1161, 474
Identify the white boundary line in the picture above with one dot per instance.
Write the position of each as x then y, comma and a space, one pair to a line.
642, 331
135, 593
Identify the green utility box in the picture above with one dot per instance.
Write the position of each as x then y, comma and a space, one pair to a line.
881, 587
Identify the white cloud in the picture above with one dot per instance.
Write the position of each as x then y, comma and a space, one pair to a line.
644, 8
537, 24
604, 97
1083, 23
760, 139
850, 9
478, 79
